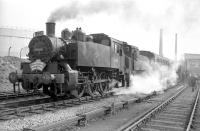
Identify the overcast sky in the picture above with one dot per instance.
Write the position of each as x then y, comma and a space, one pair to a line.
136, 21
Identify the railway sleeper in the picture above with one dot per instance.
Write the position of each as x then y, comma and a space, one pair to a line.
125, 104
68, 105
109, 110
82, 121
159, 127
180, 105
196, 126
167, 122
186, 101
170, 118
175, 112
147, 129
76, 103
8, 117
22, 109
39, 111
179, 108
49, 109
173, 116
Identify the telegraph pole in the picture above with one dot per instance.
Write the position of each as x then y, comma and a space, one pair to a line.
20, 54
9, 51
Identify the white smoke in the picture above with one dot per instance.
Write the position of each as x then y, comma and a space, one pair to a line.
75, 9
155, 78
158, 13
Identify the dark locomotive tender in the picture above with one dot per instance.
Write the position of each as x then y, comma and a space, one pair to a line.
76, 63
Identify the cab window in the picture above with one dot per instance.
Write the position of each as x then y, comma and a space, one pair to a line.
117, 48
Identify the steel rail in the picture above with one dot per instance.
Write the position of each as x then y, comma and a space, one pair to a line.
23, 102
11, 95
193, 112
134, 124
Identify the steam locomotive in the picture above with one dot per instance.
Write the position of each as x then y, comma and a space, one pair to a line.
76, 64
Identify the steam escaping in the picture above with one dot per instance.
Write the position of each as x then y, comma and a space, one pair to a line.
155, 78
76, 8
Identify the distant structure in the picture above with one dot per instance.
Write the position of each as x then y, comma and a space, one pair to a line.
176, 39
192, 63
161, 43
15, 39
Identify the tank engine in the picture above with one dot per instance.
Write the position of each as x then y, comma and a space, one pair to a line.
75, 64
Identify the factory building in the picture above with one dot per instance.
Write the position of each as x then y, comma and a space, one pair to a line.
192, 63
13, 41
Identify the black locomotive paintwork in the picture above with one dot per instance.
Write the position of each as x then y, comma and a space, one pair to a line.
76, 64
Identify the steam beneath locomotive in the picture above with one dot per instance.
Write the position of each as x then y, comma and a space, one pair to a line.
156, 77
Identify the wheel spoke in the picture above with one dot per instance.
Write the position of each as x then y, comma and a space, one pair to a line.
88, 90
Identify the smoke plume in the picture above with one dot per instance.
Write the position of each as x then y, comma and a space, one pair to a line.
75, 9
155, 13
154, 78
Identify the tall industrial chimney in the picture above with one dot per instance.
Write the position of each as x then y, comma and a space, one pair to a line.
176, 46
161, 43
50, 29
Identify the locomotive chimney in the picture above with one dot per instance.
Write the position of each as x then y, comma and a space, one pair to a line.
50, 29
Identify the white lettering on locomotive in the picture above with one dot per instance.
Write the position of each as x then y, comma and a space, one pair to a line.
37, 65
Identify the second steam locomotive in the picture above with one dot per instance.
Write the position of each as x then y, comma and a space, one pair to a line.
76, 64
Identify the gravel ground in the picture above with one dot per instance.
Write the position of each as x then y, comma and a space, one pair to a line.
59, 115
8, 64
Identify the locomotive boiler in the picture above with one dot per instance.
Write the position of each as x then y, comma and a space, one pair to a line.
75, 64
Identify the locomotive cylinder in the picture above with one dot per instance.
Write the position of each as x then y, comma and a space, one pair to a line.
50, 29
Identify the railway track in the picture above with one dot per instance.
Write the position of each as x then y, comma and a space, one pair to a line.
22, 102
12, 95
12, 111
194, 122
83, 118
174, 114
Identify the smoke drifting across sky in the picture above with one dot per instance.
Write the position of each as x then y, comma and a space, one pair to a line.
75, 9
161, 13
